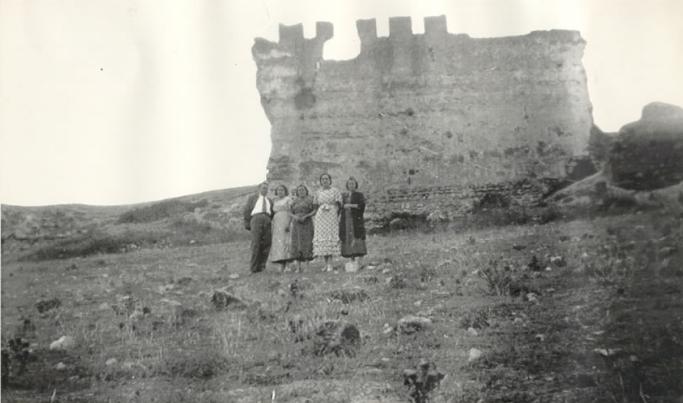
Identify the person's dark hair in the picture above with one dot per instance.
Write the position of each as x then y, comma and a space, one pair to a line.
351, 178
299, 187
283, 187
323, 175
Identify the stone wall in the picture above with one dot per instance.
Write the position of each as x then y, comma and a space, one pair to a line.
436, 118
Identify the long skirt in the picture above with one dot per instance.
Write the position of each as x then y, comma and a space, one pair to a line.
280, 248
326, 234
302, 240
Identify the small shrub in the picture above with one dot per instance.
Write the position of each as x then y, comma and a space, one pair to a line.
159, 211
94, 244
198, 364
498, 279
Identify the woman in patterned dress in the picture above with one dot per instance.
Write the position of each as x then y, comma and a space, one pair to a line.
326, 221
301, 211
279, 251
351, 226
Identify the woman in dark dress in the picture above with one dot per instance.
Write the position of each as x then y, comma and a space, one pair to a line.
301, 211
351, 225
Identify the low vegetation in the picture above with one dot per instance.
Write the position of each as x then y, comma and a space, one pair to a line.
567, 311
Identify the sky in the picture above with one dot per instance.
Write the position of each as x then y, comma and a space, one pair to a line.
117, 101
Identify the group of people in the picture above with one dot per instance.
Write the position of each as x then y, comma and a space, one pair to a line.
300, 227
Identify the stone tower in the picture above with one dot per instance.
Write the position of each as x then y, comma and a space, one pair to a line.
426, 122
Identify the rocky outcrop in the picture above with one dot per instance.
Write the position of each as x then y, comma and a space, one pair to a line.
425, 121
648, 154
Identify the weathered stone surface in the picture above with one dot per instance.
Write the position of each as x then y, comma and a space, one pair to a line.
411, 324
338, 337
48, 304
349, 295
224, 299
425, 121
648, 154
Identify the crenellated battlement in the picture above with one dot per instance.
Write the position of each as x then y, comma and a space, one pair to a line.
401, 36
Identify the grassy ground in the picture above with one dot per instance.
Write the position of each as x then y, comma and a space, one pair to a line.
597, 317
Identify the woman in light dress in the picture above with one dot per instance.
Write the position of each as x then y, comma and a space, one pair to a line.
326, 222
280, 249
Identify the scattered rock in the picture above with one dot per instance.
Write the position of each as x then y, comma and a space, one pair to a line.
387, 330
63, 343
535, 264
411, 324
396, 282
338, 337
540, 337
48, 304
472, 331
558, 261
370, 280
418, 303
111, 361
234, 276
351, 267
531, 297
163, 289
422, 381
607, 352
274, 356
104, 306
474, 354
183, 281
477, 319
60, 366
223, 299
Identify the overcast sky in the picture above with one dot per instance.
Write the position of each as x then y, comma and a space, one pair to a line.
115, 101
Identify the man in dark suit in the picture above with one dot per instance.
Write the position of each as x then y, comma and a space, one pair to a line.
257, 215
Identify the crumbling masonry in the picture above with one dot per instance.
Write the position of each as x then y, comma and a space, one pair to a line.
430, 123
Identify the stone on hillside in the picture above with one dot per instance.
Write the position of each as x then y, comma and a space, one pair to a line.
234, 276
111, 361
648, 154
183, 281
223, 299
351, 267
411, 324
398, 224
338, 337
350, 295
422, 381
558, 261
474, 354
472, 331
60, 366
63, 343
48, 304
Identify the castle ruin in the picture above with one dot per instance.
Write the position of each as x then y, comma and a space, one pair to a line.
429, 122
